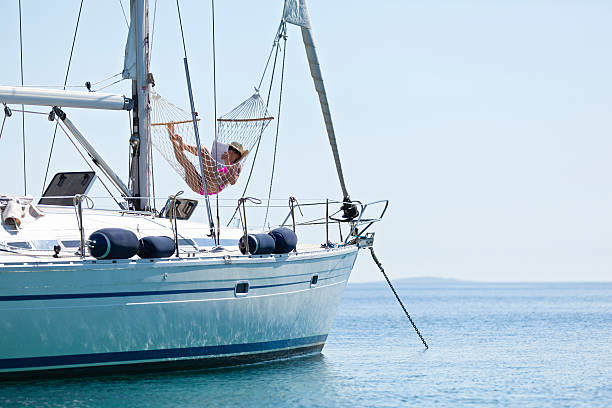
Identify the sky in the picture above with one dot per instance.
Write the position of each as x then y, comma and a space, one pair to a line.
485, 124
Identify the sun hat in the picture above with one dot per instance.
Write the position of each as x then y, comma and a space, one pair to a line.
238, 147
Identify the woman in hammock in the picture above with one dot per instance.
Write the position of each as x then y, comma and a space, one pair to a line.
217, 175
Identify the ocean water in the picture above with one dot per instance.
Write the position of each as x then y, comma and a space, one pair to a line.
515, 345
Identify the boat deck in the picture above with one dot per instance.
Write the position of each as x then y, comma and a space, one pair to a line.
36, 241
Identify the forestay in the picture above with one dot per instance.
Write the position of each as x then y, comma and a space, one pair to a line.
296, 12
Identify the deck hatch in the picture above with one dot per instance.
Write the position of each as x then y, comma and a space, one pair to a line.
19, 244
71, 243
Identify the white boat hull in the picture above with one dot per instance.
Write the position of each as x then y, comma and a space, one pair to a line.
133, 314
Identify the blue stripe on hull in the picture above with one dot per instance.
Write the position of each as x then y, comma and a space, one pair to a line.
143, 355
109, 295
13, 298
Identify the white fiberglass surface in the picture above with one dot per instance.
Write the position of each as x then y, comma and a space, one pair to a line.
59, 226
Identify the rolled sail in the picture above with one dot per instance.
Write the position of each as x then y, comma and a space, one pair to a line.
296, 12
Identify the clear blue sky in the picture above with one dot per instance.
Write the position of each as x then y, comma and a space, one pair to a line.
487, 124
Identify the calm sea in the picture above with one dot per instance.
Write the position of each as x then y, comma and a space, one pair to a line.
542, 345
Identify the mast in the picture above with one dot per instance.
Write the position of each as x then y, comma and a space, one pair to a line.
137, 68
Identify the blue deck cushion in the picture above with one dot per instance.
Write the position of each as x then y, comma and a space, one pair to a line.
113, 243
156, 247
285, 240
259, 244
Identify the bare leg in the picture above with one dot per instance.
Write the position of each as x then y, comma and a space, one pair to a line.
194, 181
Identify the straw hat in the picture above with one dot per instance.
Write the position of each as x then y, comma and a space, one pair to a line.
238, 147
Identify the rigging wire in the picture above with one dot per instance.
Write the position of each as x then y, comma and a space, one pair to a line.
280, 98
275, 46
76, 29
214, 56
2, 128
29, 111
74, 86
124, 15
25, 183
106, 86
181, 26
7, 113
86, 161
152, 179
105, 79
153, 31
196, 129
130, 161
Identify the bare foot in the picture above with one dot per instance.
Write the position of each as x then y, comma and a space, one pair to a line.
177, 140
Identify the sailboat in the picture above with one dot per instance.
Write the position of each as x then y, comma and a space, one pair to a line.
132, 288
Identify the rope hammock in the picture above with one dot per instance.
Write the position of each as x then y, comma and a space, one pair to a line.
238, 131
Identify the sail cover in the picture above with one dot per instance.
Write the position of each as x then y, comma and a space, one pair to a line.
129, 61
296, 12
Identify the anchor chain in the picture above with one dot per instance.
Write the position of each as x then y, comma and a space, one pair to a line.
396, 296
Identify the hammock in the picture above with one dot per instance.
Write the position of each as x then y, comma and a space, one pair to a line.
239, 130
